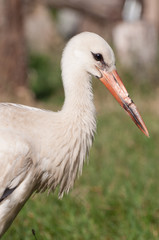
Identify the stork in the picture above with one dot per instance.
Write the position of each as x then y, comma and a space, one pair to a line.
41, 149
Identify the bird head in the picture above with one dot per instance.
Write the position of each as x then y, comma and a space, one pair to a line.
91, 54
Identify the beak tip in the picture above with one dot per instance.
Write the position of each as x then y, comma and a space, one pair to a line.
144, 130
147, 134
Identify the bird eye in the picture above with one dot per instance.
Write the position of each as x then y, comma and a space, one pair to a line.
98, 56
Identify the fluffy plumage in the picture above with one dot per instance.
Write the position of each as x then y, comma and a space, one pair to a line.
41, 149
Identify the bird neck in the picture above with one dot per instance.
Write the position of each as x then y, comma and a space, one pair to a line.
78, 92
79, 125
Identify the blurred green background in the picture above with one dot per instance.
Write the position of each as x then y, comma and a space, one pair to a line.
117, 196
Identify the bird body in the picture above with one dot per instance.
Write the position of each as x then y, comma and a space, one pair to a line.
30, 147
41, 149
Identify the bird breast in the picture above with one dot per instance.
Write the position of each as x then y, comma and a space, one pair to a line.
68, 147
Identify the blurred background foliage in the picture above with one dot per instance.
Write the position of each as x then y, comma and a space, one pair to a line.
44, 76
117, 196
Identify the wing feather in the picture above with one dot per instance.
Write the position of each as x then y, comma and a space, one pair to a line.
15, 162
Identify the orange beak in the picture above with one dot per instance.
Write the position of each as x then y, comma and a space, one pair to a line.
114, 84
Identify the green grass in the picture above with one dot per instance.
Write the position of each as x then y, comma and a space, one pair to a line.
117, 197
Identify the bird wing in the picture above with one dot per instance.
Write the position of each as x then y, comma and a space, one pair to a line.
15, 162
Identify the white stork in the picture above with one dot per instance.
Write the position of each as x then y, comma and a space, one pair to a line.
41, 149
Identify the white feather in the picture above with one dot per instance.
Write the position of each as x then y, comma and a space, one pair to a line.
41, 149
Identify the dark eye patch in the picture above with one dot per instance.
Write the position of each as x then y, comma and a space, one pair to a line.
98, 57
